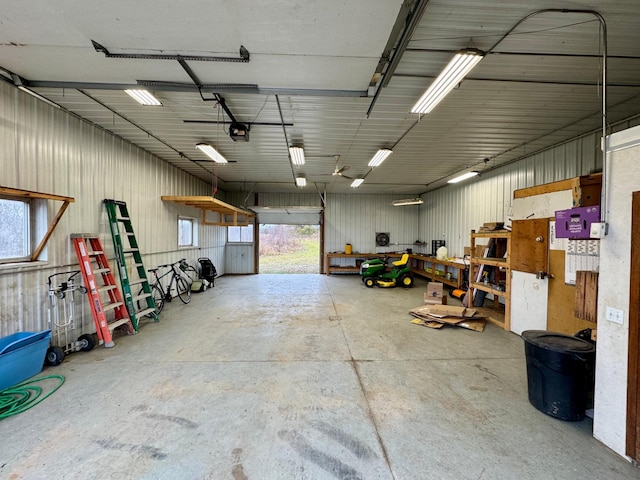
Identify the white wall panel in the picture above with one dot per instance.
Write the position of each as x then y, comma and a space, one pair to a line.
614, 285
47, 150
240, 258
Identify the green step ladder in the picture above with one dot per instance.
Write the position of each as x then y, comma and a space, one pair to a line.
137, 291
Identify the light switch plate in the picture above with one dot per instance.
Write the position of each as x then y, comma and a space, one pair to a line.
615, 315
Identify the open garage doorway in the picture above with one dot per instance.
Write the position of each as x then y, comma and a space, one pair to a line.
289, 248
290, 239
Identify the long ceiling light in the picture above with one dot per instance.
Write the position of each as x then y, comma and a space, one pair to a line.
301, 182
297, 155
357, 182
211, 152
464, 176
408, 201
452, 75
379, 157
144, 97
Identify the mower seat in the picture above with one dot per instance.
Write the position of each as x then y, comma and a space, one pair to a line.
402, 262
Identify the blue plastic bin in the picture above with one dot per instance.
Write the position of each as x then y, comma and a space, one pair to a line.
22, 356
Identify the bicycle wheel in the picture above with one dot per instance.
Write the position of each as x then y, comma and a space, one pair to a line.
184, 289
158, 299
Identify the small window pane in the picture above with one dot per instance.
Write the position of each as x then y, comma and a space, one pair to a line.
240, 234
185, 232
14, 229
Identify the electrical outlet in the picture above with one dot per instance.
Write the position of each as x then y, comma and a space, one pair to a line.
615, 315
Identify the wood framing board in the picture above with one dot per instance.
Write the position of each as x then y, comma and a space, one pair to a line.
240, 217
585, 189
633, 374
18, 193
560, 307
586, 302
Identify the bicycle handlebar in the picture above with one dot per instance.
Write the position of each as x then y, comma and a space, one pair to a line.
166, 265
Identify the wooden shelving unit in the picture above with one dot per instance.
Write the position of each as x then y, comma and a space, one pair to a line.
498, 241
443, 271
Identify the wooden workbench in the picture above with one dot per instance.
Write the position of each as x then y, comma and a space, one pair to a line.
329, 269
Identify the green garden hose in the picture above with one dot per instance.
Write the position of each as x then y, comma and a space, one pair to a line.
23, 396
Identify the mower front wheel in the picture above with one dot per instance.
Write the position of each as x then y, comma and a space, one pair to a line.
369, 282
407, 281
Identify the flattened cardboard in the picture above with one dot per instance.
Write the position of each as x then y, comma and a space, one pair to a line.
427, 323
475, 325
446, 310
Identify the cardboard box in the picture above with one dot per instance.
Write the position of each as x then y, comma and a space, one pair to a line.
434, 294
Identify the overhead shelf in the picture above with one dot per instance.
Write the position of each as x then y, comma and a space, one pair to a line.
228, 215
17, 193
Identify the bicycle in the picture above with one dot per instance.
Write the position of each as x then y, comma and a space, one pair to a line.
162, 294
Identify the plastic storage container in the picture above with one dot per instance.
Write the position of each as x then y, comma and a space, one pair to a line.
559, 373
22, 356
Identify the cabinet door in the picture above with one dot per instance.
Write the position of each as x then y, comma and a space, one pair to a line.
530, 245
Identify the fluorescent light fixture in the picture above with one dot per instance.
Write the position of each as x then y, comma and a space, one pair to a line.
357, 182
464, 176
452, 75
38, 96
301, 182
379, 157
143, 97
408, 201
211, 152
297, 155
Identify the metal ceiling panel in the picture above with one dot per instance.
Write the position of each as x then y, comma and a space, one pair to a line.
313, 67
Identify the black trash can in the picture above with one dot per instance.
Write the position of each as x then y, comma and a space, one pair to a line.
559, 373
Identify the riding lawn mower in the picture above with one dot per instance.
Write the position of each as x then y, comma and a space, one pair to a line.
374, 271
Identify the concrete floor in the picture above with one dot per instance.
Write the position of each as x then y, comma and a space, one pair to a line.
299, 377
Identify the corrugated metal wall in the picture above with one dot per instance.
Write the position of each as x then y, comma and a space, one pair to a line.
239, 258
47, 150
453, 211
356, 219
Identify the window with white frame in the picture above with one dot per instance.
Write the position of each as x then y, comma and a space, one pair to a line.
240, 234
187, 232
15, 230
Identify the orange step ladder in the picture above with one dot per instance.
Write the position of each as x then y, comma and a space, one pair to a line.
108, 313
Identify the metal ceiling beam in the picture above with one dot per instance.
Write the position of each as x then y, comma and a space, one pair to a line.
514, 80
188, 87
215, 122
531, 54
412, 22
401, 20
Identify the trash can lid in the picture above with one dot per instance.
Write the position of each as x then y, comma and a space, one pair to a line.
557, 342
